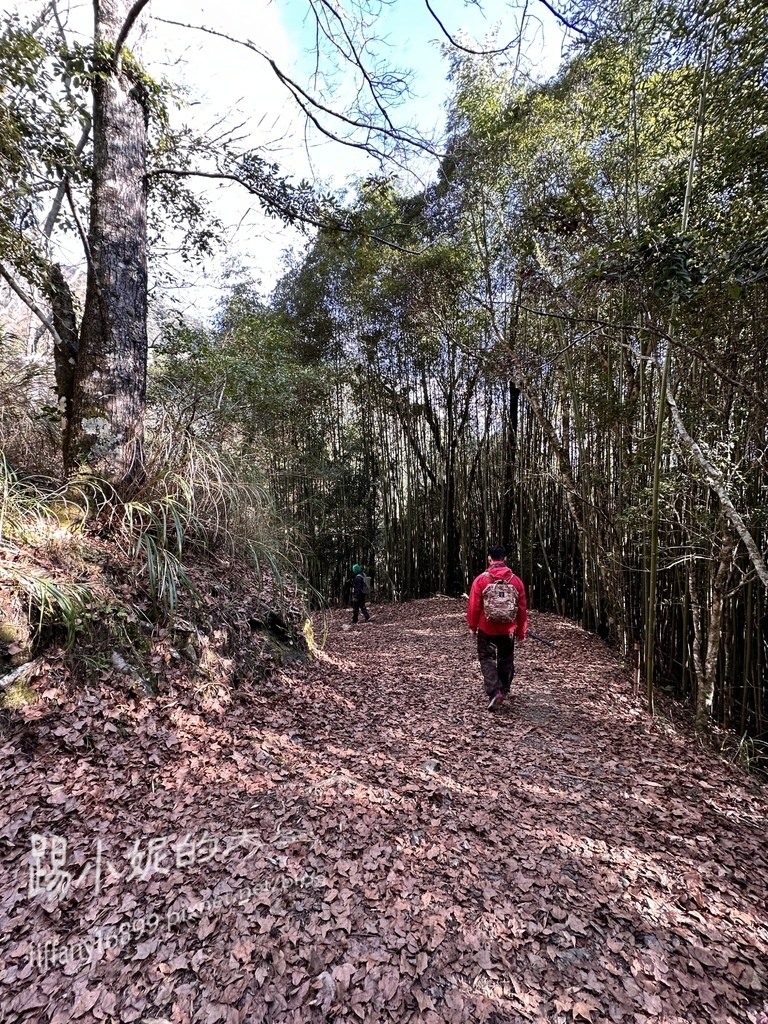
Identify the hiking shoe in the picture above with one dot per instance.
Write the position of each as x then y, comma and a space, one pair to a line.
495, 700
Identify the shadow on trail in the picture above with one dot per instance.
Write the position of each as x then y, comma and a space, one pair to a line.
602, 860
409, 856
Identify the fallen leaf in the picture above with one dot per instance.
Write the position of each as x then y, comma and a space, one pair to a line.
583, 1011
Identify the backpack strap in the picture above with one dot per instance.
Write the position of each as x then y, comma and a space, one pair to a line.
498, 579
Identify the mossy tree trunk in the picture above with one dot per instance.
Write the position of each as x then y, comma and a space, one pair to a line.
107, 426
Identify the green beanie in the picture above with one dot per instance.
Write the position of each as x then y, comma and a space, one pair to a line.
356, 569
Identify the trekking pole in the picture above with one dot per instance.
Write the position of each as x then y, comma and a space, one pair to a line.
541, 639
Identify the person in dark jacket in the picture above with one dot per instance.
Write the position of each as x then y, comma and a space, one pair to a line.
496, 640
359, 594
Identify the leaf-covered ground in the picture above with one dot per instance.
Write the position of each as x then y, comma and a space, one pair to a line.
359, 839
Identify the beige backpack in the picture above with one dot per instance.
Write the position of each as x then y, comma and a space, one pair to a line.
500, 599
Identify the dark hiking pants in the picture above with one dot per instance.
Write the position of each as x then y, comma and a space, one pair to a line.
497, 661
358, 605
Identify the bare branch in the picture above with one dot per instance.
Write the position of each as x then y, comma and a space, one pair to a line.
31, 304
42, 18
53, 215
60, 26
79, 225
306, 101
358, 61
130, 21
715, 480
563, 20
466, 49
327, 224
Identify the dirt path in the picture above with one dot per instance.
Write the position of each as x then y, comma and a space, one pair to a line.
383, 848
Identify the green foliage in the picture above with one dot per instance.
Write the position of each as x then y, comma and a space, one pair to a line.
36, 144
550, 259
28, 436
248, 371
667, 264
45, 101
376, 397
51, 603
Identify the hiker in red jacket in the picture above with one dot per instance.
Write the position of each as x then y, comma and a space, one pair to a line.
497, 613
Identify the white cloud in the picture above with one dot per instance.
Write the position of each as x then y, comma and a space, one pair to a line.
231, 89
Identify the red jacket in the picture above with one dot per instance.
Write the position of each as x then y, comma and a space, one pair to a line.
476, 617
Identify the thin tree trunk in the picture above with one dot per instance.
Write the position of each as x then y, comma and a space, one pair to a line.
510, 439
706, 689
64, 354
697, 618
663, 386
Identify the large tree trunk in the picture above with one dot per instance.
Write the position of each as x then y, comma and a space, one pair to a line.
107, 424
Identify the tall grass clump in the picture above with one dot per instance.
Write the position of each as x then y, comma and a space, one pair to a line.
194, 498
30, 421
31, 512
200, 494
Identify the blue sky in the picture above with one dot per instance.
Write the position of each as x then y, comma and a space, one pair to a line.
409, 37
231, 80
230, 86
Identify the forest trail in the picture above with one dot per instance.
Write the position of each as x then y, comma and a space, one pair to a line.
384, 849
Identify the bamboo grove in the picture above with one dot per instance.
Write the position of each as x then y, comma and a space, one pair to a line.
560, 345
